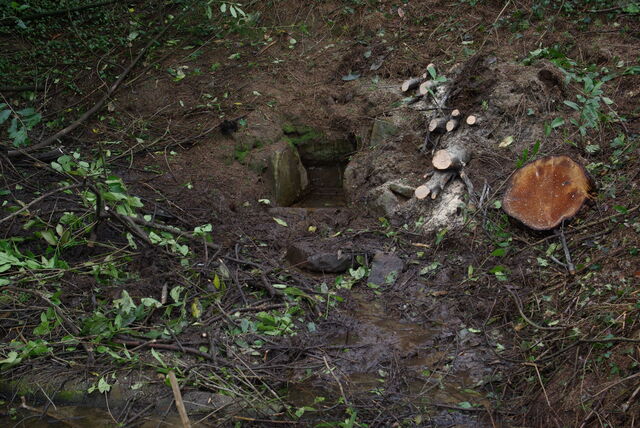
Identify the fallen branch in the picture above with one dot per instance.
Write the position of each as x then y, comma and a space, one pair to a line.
38, 199
165, 346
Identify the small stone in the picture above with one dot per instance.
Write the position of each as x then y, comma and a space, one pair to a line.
402, 189
385, 269
303, 256
386, 203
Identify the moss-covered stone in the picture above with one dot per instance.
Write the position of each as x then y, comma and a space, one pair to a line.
289, 176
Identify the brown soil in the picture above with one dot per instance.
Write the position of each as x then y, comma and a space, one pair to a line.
419, 349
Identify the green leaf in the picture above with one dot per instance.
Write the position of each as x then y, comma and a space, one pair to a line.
4, 115
572, 105
465, 405
429, 268
49, 236
499, 252
12, 358
125, 303
432, 72
150, 302
280, 222
557, 122
196, 308
103, 386
158, 357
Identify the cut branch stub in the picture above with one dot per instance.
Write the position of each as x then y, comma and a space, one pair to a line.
426, 86
435, 185
473, 120
545, 192
454, 157
438, 126
410, 84
452, 124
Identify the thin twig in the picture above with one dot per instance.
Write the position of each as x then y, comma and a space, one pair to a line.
38, 199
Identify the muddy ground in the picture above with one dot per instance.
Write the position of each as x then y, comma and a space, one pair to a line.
405, 322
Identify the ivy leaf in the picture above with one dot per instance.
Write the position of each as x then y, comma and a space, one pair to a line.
103, 386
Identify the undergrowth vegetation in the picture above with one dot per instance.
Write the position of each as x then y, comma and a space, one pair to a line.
95, 273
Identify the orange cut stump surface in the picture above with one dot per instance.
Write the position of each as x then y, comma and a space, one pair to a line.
547, 191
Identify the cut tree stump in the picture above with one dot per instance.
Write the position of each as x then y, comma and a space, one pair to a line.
452, 125
438, 126
544, 193
454, 157
455, 114
435, 185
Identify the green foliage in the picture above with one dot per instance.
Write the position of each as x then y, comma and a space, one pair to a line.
591, 103
22, 121
528, 155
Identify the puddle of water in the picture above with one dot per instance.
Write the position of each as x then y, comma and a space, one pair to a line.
406, 336
77, 417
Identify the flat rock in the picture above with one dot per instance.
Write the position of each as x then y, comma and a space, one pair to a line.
381, 131
302, 255
385, 268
